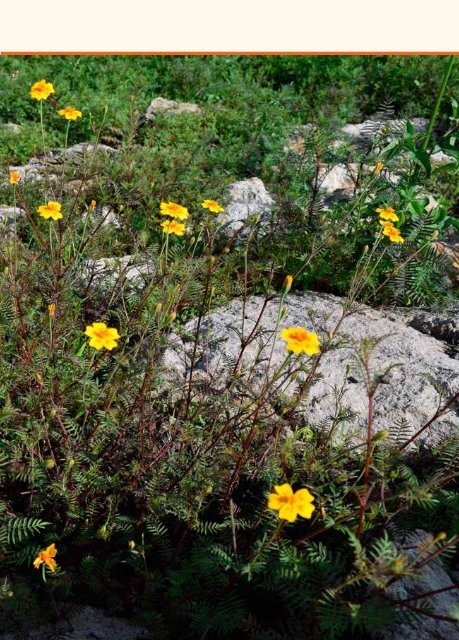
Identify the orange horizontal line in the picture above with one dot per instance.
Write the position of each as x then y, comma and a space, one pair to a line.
226, 53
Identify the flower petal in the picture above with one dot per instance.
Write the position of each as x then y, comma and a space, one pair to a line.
275, 501
288, 512
284, 490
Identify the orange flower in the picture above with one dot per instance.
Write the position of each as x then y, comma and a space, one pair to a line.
15, 176
291, 505
298, 340
288, 283
387, 214
174, 210
378, 168
69, 113
46, 556
102, 336
92, 205
52, 309
172, 226
50, 210
212, 205
41, 90
394, 234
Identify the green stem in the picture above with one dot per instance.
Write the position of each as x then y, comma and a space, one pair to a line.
440, 95
42, 127
87, 373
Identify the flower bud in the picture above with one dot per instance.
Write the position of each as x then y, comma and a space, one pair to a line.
131, 544
378, 168
49, 463
158, 308
381, 435
226, 250
288, 283
92, 205
52, 309
172, 316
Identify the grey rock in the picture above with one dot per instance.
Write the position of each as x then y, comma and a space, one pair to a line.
170, 107
11, 127
51, 165
113, 275
245, 200
366, 131
441, 158
432, 576
9, 214
88, 624
439, 325
104, 216
405, 396
338, 182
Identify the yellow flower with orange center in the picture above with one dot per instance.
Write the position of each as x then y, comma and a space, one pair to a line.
41, 90
102, 336
291, 504
50, 210
299, 340
393, 234
46, 556
15, 176
212, 205
387, 214
172, 226
69, 113
174, 210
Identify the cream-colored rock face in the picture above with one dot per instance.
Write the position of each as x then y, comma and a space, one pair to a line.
405, 395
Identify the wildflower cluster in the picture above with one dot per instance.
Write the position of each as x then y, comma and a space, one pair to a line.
386, 217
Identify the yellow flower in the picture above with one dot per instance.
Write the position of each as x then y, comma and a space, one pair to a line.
387, 214
46, 556
291, 505
298, 340
172, 226
288, 283
394, 234
387, 225
50, 210
70, 113
52, 309
378, 168
92, 205
212, 205
174, 210
41, 90
102, 336
15, 176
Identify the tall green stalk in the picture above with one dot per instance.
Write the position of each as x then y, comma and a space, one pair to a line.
438, 101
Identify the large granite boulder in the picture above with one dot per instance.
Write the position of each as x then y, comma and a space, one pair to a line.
406, 397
